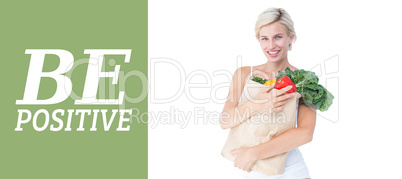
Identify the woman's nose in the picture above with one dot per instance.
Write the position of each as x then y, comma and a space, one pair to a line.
271, 45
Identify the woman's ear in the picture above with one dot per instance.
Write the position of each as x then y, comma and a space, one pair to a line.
291, 39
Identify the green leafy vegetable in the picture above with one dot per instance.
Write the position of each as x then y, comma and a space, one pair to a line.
259, 80
313, 94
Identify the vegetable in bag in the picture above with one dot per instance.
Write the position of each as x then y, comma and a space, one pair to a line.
305, 83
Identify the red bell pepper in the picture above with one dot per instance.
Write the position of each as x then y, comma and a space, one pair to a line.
284, 82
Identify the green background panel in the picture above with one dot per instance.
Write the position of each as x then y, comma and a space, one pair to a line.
73, 26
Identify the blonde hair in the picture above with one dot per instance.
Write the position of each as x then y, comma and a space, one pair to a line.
272, 15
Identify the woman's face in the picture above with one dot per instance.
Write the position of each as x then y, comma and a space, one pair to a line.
274, 41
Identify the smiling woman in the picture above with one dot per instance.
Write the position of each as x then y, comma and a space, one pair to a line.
275, 153
275, 32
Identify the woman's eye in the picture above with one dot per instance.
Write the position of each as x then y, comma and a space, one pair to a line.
264, 38
278, 37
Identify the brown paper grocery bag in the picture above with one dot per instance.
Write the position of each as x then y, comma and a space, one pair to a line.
261, 128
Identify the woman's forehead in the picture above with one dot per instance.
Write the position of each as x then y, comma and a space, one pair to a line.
272, 29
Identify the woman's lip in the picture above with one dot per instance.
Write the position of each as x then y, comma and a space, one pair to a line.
273, 55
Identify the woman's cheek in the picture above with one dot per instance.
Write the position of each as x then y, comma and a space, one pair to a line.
279, 43
263, 46
286, 42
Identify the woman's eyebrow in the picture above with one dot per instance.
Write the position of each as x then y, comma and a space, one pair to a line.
274, 35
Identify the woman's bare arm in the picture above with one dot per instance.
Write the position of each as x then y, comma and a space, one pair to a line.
232, 113
290, 139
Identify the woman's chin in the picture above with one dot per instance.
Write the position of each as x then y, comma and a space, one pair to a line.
274, 60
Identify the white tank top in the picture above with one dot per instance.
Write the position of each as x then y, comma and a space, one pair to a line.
295, 165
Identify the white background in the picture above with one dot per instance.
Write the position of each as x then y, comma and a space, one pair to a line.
208, 36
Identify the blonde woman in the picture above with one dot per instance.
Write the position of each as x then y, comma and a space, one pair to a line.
275, 33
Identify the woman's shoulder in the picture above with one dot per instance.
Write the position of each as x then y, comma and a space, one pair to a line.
241, 74
243, 71
293, 68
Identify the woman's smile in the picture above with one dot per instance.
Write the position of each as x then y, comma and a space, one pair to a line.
273, 53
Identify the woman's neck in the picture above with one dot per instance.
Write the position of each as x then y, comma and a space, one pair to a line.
275, 67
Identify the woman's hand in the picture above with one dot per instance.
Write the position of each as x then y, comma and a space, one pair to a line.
245, 158
271, 99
